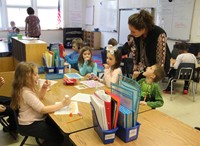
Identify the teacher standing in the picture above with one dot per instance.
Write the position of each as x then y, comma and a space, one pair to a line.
32, 27
150, 41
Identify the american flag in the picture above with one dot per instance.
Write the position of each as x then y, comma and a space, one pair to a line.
59, 15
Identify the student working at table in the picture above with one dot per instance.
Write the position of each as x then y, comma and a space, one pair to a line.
112, 68
72, 58
150, 89
26, 98
85, 63
183, 57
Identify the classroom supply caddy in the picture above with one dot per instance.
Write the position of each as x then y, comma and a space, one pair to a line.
128, 91
107, 136
54, 65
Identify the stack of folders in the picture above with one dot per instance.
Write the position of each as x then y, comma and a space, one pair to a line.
106, 108
125, 117
129, 85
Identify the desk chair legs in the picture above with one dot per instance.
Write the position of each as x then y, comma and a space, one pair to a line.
26, 137
194, 90
5, 125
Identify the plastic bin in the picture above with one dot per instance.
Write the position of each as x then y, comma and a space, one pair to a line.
50, 70
54, 76
128, 134
107, 136
41, 69
60, 70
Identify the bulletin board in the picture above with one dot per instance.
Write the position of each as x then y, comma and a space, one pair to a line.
108, 16
175, 18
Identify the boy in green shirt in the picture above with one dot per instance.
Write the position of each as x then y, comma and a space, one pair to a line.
150, 89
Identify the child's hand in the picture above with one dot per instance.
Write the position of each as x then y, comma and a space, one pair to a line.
106, 66
143, 103
90, 76
2, 108
66, 101
2, 81
135, 74
64, 54
46, 84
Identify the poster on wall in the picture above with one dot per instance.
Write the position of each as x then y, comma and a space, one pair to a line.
75, 13
108, 16
89, 16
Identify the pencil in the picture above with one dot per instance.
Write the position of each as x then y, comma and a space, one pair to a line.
75, 120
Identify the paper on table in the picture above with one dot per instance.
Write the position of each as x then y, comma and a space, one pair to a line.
41, 82
72, 108
92, 83
81, 97
80, 87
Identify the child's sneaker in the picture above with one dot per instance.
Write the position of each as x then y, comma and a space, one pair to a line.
185, 91
168, 91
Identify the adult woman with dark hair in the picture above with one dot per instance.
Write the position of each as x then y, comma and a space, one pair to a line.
32, 27
150, 41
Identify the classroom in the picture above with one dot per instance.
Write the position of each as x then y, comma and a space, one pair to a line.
96, 22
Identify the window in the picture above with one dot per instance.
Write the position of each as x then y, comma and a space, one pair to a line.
18, 15
46, 10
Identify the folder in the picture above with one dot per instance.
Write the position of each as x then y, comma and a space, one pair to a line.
115, 104
99, 107
107, 101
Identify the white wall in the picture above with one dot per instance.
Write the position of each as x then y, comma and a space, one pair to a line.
105, 36
125, 4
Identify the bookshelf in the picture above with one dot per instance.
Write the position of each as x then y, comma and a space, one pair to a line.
92, 38
69, 34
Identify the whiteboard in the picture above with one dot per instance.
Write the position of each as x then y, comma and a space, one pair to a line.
89, 20
176, 18
108, 15
123, 22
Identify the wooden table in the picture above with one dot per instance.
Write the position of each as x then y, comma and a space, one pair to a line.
57, 93
157, 129
28, 50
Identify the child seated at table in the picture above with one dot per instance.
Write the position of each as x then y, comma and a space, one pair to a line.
112, 42
85, 63
183, 57
11, 34
72, 58
112, 68
26, 98
150, 89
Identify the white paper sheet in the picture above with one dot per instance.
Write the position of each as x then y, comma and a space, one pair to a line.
72, 108
81, 97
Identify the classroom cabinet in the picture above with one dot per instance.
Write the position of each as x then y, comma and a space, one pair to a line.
69, 34
28, 50
92, 38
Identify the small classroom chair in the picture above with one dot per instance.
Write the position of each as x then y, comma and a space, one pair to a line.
185, 72
128, 67
25, 135
5, 125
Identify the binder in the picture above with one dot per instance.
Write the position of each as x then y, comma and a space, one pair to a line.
115, 104
99, 107
107, 102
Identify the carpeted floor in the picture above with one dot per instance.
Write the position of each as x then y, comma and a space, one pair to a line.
97, 58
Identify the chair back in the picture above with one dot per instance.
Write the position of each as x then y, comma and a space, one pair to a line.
185, 71
128, 66
104, 56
